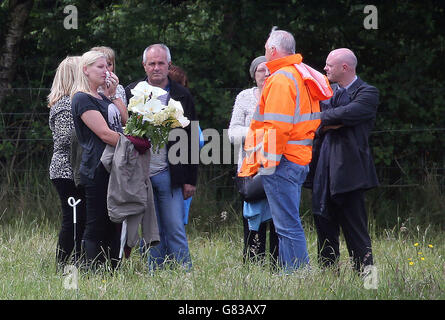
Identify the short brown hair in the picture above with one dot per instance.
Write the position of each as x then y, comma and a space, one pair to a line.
178, 75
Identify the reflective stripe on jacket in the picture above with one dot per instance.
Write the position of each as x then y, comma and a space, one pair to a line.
287, 116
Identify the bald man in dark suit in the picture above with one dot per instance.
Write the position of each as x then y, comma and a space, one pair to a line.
342, 167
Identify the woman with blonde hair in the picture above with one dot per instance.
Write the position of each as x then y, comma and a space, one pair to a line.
98, 120
60, 170
111, 63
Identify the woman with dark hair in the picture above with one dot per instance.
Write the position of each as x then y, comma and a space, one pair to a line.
178, 74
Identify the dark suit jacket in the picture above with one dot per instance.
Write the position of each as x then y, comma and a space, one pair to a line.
181, 173
342, 160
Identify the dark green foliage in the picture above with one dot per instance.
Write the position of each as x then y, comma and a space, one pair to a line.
215, 41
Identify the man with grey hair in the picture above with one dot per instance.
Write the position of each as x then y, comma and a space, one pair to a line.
281, 40
343, 167
172, 183
159, 45
279, 141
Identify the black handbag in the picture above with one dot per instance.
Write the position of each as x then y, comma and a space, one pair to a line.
250, 188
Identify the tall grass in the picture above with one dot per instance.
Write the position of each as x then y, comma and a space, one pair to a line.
410, 265
29, 193
409, 255
422, 204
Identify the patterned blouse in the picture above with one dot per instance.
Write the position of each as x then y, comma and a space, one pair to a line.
120, 93
61, 125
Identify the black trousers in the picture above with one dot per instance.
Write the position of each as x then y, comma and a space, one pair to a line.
255, 242
101, 238
65, 245
347, 211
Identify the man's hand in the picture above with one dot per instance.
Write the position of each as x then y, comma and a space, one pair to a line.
334, 127
188, 191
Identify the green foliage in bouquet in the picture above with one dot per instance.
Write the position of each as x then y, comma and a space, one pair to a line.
137, 127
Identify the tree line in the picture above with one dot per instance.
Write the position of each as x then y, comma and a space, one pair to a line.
215, 41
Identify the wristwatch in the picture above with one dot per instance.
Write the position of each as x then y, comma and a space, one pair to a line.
112, 98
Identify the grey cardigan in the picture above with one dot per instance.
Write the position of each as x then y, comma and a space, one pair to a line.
243, 110
130, 194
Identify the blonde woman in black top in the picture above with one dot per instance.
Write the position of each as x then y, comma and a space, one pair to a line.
98, 120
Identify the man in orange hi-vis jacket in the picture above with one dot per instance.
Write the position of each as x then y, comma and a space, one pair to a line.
279, 141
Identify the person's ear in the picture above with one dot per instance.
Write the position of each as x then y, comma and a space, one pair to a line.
274, 51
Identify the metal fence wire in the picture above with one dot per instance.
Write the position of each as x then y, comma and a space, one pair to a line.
26, 144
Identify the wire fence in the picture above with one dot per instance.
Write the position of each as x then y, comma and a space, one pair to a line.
26, 144
397, 174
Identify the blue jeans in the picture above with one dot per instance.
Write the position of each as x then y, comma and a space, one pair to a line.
169, 205
283, 191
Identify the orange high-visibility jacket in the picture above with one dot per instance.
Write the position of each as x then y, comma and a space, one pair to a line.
288, 114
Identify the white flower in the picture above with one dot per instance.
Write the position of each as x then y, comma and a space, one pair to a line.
135, 103
139, 109
157, 92
177, 113
148, 117
153, 106
176, 105
143, 89
183, 121
160, 117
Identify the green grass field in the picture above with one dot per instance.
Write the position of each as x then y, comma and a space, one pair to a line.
409, 262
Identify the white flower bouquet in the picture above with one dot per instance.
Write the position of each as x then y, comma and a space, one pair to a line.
149, 118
